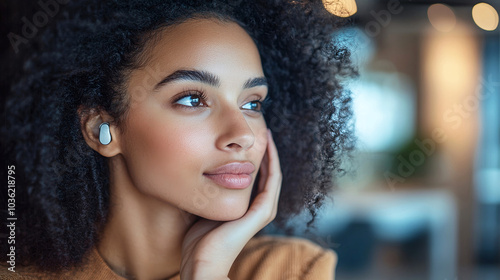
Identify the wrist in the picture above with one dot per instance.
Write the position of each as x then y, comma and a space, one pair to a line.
206, 271
206, 276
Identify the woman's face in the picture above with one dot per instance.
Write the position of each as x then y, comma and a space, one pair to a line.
194, 136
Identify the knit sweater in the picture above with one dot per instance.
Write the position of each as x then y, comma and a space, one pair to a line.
263, 258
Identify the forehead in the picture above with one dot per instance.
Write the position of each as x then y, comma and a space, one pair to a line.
204, 43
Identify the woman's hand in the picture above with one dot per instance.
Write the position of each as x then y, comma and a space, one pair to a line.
210, 247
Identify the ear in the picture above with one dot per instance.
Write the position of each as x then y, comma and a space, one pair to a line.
90, 120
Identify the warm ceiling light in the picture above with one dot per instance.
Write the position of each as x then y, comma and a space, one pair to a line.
441, 17
485, 16
341, 8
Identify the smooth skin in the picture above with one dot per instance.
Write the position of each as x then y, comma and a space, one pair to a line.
165, 215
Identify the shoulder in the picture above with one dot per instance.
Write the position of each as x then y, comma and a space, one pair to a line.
18, 272
93, 267
23, 273
273, 257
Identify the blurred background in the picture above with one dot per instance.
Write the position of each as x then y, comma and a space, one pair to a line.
425, 200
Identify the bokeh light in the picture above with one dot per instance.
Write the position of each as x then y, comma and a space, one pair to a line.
341, 8
441, 17
485, 16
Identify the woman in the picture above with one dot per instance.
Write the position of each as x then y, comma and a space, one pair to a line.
140, 131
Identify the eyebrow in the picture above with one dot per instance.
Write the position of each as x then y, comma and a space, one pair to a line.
206, 78
255, 82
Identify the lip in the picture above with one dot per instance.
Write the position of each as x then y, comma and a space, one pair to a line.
235, 175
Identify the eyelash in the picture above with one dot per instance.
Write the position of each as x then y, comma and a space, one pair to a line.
259, 106
203, 97
195, 93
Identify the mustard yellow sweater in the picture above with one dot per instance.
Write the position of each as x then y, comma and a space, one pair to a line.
263, 258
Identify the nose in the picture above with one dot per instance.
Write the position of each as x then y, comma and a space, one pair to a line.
235, 132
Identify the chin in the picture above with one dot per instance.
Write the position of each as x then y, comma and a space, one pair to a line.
227, 210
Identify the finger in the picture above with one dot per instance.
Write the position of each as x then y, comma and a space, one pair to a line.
274, 161
199, 229
263, 172
271, 169
269, 183
274, 171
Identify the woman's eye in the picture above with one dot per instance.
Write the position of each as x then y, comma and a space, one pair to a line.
191, 100
253, 105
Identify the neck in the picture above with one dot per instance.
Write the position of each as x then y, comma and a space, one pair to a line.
143, 236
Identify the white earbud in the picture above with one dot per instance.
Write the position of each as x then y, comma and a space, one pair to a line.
104, 133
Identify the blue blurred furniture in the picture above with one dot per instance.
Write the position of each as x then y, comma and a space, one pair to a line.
487, 171
397, 216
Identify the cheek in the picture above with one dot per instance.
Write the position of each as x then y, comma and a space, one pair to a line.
260, 146
162, 152
176, 146
173, 153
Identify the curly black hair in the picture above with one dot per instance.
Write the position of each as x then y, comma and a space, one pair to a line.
81, 60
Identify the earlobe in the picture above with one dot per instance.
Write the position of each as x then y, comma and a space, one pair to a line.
99, 133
